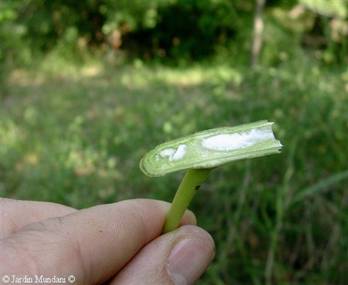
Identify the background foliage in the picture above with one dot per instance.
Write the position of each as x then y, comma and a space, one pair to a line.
87, 87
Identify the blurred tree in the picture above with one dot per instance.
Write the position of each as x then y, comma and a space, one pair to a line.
190, 29
257, 33
168, 29
330, 30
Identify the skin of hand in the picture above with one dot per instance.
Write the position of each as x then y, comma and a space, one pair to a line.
118, 243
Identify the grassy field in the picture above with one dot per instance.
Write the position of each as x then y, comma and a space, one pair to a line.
75, 135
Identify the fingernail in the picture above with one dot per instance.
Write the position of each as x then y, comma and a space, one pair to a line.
188, 260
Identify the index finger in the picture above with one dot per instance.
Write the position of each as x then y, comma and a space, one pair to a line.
93, 244
15, 214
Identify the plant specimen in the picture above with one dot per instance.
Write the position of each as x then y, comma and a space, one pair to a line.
201, 152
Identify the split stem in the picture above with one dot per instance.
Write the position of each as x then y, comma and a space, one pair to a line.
183, 196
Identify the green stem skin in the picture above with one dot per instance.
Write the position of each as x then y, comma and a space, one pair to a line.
183, 196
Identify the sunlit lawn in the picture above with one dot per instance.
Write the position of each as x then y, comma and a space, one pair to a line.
75, 135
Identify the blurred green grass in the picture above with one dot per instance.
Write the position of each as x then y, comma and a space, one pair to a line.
75, 134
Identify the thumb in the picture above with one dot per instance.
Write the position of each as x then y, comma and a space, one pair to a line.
179, 257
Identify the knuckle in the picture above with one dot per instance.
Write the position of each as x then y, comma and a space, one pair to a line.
132, 217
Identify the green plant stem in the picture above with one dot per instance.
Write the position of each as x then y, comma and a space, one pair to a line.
183, 196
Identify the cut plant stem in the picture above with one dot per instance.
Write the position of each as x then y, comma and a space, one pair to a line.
198, 153
187, 189
211, 148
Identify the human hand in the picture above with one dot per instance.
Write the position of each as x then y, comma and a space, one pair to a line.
117, 243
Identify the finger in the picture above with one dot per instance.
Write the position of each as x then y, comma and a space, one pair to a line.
179, 258
92, 244
14, 214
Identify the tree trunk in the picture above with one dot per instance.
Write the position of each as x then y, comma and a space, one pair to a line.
257, 33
